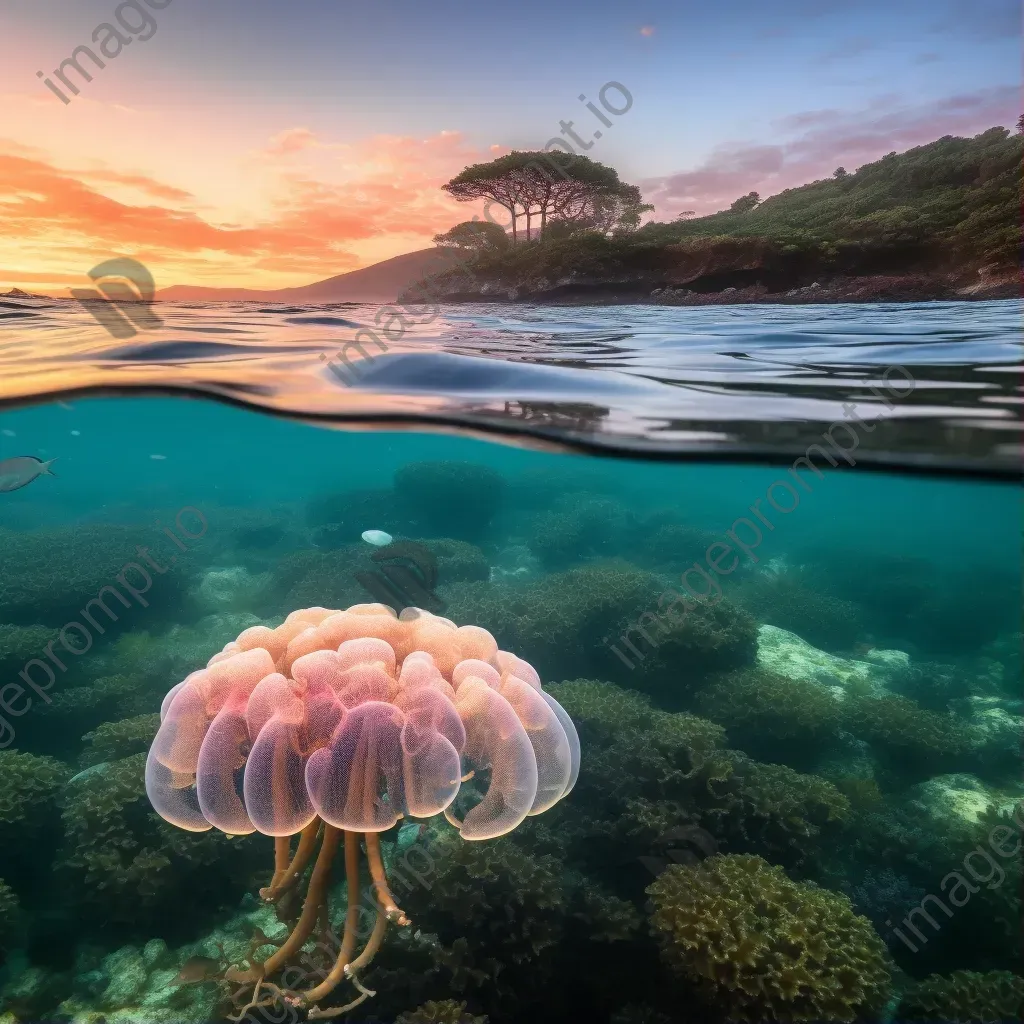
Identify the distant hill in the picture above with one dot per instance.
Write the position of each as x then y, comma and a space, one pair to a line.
380, 282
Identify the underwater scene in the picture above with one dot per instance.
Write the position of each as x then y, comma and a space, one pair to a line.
392, 726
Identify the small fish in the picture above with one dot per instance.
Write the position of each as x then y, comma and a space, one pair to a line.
158, 458
21, 471
378, 538
198, 969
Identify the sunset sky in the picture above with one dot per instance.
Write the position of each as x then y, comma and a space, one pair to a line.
265, 144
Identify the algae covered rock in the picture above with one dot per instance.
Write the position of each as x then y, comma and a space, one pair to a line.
759, 946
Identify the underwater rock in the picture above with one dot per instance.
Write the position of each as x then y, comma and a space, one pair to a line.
962, 798
788, 655
232, 589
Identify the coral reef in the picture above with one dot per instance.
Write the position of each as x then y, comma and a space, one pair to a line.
711, 636
768, 703
964, 997
450, 498
764, 947
579, 527
19, 644
48, 576
447, 1011
114, 741
557, 622
900, 729
30, 787
121, 860
10, 918
794, 600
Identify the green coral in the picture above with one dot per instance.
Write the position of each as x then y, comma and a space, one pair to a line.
124, 862
770, 704
679, 649
795, 600
965, 997
48, 576
450, 498
30, 786
10, 917
114, 741
760, 946
457, 560
19, 644
648, 773
325, 579
503, 900
578, 527
447, 1011
557, 622
900, 726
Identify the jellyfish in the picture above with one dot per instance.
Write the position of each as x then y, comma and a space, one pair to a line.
330, 729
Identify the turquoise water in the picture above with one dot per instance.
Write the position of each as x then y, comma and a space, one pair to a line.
795, 686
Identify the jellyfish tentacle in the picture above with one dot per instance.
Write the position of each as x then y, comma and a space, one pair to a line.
316, 895
293, 872
282, 857
380, 881
348, 942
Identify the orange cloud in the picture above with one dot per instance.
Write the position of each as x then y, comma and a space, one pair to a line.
328, 207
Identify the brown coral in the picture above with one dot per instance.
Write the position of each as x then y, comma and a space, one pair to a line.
761, 947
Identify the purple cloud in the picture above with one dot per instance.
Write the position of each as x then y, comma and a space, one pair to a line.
821, 140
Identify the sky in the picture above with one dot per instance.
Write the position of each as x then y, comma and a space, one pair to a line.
262, 144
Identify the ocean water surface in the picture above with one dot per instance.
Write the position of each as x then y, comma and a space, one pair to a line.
757, 380
683, 681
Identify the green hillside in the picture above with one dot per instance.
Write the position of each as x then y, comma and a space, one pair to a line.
959, 198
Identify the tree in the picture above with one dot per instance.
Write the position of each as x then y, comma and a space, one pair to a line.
1020, 125
545, 184
686, 214
474, 236
745, 203
840, 172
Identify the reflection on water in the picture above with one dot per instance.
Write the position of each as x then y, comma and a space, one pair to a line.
754, 378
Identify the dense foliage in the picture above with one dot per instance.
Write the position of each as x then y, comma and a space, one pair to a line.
949, 207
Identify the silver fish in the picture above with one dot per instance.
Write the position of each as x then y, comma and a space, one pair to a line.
21, 471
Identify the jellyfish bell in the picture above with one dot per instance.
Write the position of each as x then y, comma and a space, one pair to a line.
336, 725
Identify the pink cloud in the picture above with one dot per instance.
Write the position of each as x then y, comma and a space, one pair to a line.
821, 140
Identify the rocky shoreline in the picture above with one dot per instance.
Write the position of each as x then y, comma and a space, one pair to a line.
580, 291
